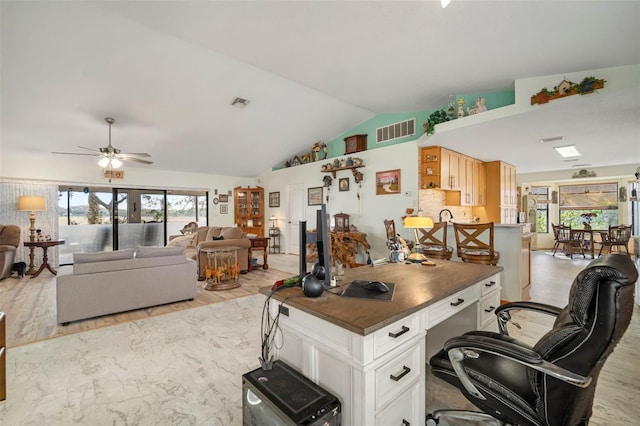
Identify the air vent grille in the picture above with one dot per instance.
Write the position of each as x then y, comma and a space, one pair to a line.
396, 131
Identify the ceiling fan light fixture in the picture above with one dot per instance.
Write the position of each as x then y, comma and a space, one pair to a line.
115, 163
103, 162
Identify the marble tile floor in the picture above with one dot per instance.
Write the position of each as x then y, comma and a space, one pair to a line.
182, 368
185, 368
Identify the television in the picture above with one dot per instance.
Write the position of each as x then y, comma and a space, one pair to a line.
322, 269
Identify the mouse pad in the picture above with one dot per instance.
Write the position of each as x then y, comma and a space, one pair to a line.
356, 289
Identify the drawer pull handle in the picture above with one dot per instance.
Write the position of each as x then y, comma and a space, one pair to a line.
458, 302
405, 370
491, 308
490, 284
405, 423
399, 333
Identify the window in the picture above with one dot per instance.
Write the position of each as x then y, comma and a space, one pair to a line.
599, 199
541, 195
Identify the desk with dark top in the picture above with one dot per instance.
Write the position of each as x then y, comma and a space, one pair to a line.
353, 345
45, 257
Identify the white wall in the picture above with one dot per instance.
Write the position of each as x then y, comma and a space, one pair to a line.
368, 212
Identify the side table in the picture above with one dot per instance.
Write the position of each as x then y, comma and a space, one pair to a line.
274, 236
259, 243
222, 265
45, 257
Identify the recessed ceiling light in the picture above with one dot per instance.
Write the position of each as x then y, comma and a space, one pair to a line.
570, 160
553, 139
240, 102
568, 150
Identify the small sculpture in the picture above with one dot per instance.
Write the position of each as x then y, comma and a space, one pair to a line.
460, 108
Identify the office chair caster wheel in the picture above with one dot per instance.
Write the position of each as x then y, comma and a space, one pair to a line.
430, 420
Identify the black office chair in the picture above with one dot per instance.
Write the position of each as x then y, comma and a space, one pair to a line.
552, 383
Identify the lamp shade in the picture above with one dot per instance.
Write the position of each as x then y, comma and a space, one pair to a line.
418, 222
33, 203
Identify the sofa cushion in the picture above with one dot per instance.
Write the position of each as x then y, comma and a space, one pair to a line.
102, 256
182, 241
231, 233
143, 251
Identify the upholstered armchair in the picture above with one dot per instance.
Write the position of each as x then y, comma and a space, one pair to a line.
552, 383
9, 242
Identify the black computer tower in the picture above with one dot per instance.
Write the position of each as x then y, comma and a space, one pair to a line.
283, 396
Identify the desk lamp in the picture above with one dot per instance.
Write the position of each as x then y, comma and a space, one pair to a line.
416, 222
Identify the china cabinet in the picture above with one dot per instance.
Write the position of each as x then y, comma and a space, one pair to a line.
249, 209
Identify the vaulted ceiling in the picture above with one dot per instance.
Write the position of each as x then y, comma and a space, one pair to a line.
312, 70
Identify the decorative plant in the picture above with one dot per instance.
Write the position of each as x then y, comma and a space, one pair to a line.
436, 117
588, 217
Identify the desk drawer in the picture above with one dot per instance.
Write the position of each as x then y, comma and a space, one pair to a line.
404, 411
451, 305
394, 335
487, 308
490, 284
392, 378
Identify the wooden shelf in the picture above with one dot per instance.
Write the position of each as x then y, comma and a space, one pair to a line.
337, 169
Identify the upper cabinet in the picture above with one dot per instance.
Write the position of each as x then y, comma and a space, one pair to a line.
461, 176
502, 197
249, 209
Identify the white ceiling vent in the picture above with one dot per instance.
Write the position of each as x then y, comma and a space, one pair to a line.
396, 131
240, 102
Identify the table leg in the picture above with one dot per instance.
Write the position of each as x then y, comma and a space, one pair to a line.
45, 264
264, 258
32, 268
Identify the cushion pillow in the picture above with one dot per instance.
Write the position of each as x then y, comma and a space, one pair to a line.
102, 256
182, 241
158, 251
231, 233
214, 238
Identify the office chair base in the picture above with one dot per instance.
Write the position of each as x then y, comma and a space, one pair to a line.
486, 419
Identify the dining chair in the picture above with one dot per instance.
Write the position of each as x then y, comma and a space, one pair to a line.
433, 242
390, 229
474, 243
571, 239
616, 238
557, 242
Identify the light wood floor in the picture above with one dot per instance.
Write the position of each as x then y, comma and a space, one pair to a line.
29, 304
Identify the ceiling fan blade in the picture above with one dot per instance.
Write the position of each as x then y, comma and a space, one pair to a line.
136, 160
76, 153
135, 154
89, 149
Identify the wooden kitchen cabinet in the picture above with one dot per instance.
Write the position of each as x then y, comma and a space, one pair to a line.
249, 209
501, 197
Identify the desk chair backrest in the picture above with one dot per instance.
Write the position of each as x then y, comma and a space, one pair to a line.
583, 336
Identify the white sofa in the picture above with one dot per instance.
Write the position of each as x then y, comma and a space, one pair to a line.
110, 282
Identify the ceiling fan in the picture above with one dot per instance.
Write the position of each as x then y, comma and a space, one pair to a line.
112, 158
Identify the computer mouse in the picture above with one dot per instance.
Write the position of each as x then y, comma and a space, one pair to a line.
376, 286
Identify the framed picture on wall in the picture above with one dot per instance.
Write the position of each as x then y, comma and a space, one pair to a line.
224, 209
343, 184
388, 182
314, 196
274, 199
223, 198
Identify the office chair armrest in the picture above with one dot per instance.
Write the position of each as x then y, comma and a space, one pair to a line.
468, 346
504, 317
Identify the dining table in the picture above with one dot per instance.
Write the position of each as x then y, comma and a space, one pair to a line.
589, 244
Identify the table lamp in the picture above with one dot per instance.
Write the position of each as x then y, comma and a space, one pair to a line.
33, 203
416, 222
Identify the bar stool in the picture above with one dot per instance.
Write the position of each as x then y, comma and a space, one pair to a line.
474, 243
433, 242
